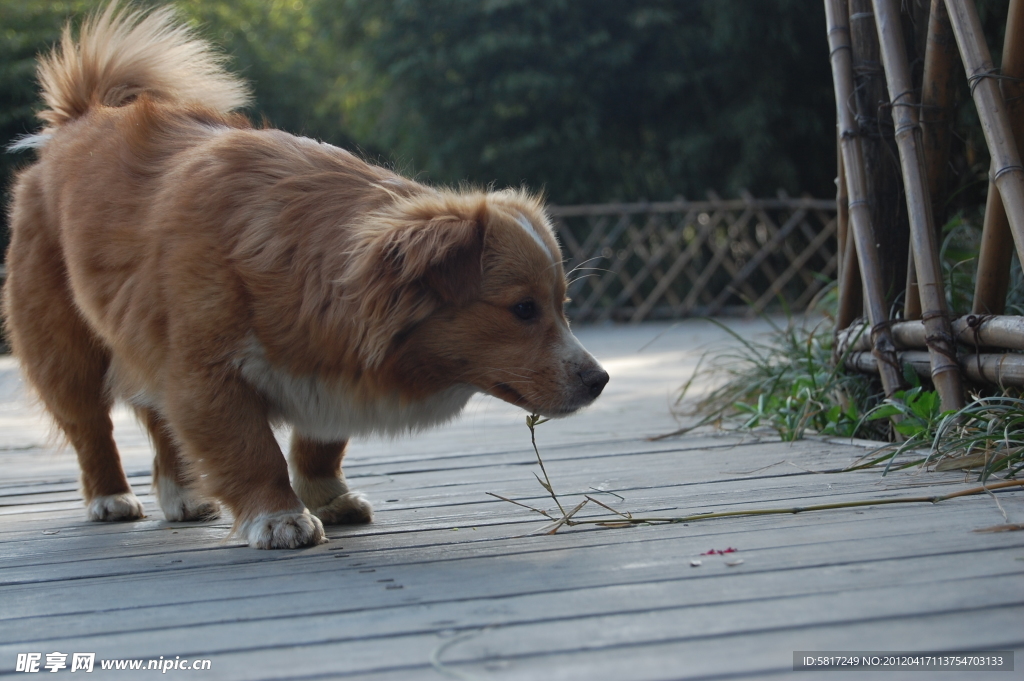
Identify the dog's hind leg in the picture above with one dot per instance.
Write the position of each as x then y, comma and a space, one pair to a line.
173, 483
319, 481
67, 364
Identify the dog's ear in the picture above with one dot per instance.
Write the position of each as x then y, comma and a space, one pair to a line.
456, 268
422, 254
444, 253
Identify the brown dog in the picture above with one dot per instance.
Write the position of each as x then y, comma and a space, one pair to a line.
221, 278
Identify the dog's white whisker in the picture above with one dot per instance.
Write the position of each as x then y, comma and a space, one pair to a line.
580, 266
580, 278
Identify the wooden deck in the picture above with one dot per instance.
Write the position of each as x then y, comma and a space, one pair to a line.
445, 585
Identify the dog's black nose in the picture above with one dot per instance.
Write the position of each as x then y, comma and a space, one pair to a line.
595, 380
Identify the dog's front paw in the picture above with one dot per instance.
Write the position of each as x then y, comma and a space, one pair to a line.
183, 503
351, 508
284, 530
125, 506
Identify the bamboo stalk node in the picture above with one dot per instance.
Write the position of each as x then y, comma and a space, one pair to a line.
881, 327
975, 321
1007, 169
990, 73
940, 340
906, 93
884, 350
941, 343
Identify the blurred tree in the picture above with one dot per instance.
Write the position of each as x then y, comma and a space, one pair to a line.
594, 100
26, 28
274, 44
601, 99
289, 59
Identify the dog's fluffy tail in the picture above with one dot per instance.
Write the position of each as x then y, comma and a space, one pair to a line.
121, 54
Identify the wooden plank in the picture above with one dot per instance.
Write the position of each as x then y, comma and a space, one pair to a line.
802, 541
41, 568
446, 574
317, 593
426, 512
751, 654
535, 623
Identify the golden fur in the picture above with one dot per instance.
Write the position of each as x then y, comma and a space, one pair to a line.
220, 278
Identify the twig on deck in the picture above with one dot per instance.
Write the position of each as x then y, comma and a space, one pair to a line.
532, 421
626, 519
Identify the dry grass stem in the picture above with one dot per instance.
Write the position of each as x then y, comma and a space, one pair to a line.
626, 519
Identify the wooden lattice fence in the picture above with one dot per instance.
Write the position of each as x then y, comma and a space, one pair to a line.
631, 262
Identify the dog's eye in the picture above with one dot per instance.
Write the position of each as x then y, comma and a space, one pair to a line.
525, 310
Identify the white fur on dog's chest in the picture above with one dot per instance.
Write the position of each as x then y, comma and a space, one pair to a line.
330, 412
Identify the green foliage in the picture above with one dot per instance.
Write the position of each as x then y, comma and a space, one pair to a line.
599, 100
788, 383
916, 412
288, 55
283, 50
26, 28
961, 242
987, 435
805, 407
594, 101
961, 239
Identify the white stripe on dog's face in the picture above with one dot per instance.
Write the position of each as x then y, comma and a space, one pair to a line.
534, 234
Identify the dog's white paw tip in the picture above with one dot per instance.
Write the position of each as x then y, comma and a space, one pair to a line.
351, 508
194, 511
125, 506
182, 503
284, 530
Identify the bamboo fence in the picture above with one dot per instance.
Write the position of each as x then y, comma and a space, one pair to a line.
985, 346
641, 261
630, 262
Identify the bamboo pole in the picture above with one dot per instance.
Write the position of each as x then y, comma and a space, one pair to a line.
860, 214
993, 279
878, 150
1007, 171
937, 96
938, 93
973, 331
945, 372
1001, 369
842, 209
851, 294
